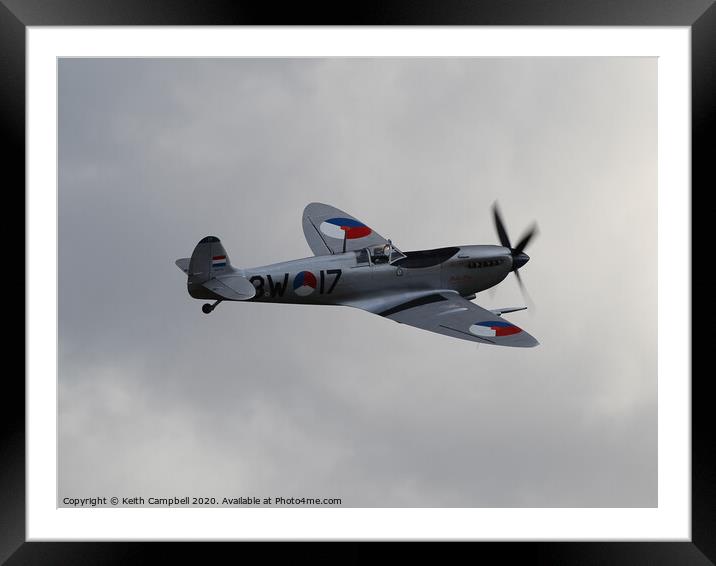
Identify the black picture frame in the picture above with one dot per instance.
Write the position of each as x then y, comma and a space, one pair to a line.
699, 15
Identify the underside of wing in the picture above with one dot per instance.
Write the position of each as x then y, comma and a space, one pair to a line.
329, 230
446, 312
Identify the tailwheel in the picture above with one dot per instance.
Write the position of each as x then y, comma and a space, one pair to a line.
206, 308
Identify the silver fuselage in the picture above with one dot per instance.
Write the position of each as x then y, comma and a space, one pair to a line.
341, 279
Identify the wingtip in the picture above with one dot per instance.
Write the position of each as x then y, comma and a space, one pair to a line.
527, 341
313, 205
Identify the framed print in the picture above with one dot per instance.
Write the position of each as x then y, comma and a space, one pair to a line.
147, 420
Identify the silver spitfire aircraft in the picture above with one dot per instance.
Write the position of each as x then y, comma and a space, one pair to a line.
355, 266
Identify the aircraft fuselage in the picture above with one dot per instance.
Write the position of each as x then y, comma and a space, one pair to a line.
341, 278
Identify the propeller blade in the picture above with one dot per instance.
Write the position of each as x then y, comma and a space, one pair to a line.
501, 232
519, 258
523, 289
522, 244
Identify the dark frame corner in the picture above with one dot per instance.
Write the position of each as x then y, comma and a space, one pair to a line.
700, 15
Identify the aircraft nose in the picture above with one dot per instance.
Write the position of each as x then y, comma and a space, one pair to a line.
518, 260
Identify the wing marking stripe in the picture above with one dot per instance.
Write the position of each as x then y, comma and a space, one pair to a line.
414, 303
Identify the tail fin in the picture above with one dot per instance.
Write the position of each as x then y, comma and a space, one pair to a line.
211, 276
208, 260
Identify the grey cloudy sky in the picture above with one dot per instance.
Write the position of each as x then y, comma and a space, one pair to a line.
158, 399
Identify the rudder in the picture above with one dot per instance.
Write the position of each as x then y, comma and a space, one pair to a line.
208, 260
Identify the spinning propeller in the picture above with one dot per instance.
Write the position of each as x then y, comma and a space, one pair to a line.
519, 257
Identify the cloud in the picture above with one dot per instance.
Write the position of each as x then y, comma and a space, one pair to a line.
157, 398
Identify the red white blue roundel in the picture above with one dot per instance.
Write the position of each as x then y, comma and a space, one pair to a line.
304, 283
494, 328
348, 228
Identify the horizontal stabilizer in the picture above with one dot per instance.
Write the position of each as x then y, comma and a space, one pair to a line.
183, 264
500, 312
231, 287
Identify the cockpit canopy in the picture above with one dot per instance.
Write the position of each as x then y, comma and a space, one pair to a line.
386, 253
